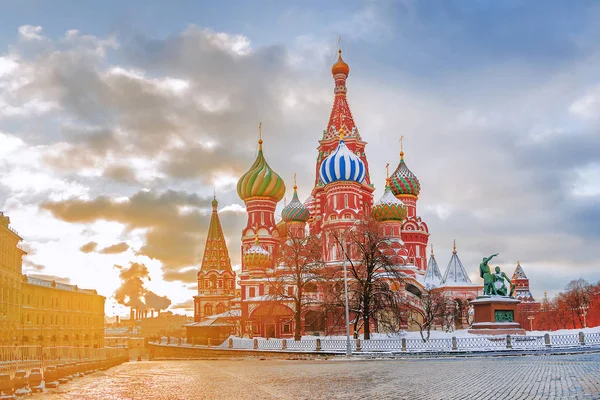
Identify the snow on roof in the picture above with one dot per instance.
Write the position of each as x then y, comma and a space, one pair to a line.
218, 319
519, 273
455, 274
432, 273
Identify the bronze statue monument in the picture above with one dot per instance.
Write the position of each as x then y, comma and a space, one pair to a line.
488, 278
500, 286
494, 312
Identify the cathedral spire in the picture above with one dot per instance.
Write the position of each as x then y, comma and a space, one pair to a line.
341, 116
216, 256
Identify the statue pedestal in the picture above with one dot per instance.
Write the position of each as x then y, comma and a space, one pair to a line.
495, 315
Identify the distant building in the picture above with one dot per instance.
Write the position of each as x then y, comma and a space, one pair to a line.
11, 281
59, 314
165, 324
42, 312
528, 308
521, 282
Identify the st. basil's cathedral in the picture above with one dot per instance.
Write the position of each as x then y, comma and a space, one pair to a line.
342, 196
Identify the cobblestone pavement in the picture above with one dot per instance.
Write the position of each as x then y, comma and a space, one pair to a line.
524, 377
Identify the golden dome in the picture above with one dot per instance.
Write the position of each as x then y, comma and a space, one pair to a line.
340, 66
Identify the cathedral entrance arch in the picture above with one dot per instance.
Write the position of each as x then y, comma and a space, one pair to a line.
270, 319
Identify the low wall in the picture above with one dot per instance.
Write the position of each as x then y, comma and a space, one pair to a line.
282, 348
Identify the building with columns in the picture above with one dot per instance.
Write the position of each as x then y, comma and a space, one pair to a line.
42, 312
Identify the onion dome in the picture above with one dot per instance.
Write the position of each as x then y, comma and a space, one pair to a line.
404, 181
340, 66
295, 211
261, 180
342, 165
256, 257
389, 208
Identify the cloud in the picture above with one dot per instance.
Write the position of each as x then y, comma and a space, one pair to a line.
30, 32
504, 142
172, 236
187, 305
31, 266
115, 248
88, 247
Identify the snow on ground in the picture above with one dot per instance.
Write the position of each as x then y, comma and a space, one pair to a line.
595, 329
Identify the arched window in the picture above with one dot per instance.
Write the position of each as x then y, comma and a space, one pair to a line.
207, 309
213, 281
220, 308
333, 253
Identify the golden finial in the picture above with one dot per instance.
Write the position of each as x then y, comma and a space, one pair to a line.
295, 186
342, 133
401, 151
256, 234
339, 45
454, 249
388, 181
260, 141
214, 193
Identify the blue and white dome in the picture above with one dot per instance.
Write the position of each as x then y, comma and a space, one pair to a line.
342, 165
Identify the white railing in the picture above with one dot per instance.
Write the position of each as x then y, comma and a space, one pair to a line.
454, 344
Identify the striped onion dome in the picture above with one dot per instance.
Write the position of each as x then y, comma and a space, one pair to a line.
261, 180
404, 181
257, 257
342, 165
389, 208
295, 211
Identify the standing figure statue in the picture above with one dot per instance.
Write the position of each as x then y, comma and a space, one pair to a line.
499, 284
471, 315
488, 278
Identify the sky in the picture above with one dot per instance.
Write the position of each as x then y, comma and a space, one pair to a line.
119, 119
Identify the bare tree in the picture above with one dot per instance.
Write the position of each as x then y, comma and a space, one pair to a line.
577, 297
371, 270
295, 279
432, 310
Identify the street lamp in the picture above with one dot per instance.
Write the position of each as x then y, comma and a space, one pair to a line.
344, 251
531, 318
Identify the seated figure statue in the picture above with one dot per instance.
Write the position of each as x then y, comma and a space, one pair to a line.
499, 285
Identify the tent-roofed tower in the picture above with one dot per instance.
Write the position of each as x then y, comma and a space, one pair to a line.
455, 274
341, 118
521, 282
432, 276
458, 287
216, 279
341, 146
